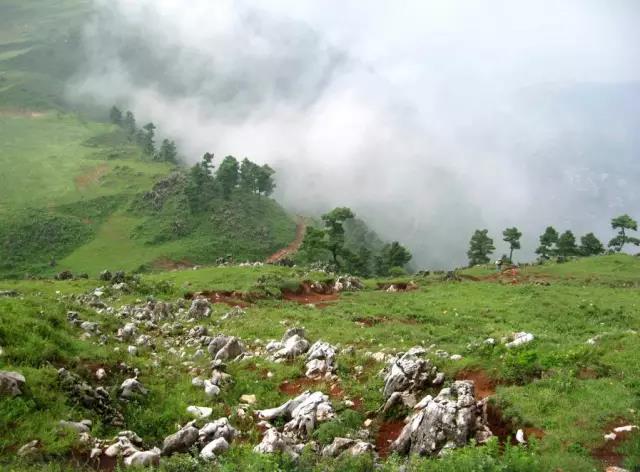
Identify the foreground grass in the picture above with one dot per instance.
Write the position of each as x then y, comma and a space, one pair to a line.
569, 389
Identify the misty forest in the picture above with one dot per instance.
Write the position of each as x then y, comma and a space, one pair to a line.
319, 236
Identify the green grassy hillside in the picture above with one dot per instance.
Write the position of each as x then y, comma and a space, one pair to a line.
69, 185
568, 391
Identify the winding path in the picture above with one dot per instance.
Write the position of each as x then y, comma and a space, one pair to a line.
292, 248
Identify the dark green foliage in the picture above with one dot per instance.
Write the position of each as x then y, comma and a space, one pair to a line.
330, 238
168, 152
201, 187
512, 236
590, 245
265, 181
249, 175
115, 115
567, 244
227, 176
480, 247
392, 255
623, 223
547, 242
521, 365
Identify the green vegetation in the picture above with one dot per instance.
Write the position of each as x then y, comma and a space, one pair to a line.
480, 247
623, 224
555, 384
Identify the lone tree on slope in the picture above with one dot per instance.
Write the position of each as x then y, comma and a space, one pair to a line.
480, 247
512, 236
623, 223
392, 255
547, 240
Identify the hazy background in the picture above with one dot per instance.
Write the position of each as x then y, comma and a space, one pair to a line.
429, 118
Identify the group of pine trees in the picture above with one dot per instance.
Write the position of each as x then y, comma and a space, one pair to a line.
144, 137
553, 244
204, 184
329, 240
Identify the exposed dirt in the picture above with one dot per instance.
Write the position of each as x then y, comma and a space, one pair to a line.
299, 385
587, 373
370, 321
16, 112
307, 293
502, 428
292, 248
607, 452
485, 386
91, 176
166, 264
388, 432
227, 297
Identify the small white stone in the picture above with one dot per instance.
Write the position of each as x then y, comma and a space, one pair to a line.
248, 399
199, 411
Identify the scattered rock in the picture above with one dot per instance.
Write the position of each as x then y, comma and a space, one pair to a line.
248, 399
199, 411
11, 383
180, 441
200, 308
520, 338
32, 448
83, 426
353, 447
225, 348
235, 312
215, 447
149, 458
131, 388
320, 359
292, 345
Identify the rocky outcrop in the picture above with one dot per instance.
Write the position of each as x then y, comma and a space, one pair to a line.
408, 375
96, 399
132, 388
181, 441
293, 344
449, 420
301, 413
225, 348
321, 360
200, 308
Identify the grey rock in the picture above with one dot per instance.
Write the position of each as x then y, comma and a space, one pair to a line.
11, 383
180, 441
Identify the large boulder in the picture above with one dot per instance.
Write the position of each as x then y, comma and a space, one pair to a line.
447, 421
275, 442
149, 458
11, 383
409, 374
132, 388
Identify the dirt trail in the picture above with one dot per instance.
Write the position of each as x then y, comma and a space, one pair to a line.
292, 248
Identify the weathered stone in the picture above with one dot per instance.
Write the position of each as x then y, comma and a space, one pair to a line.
180, 441
215, 447
132, 388
11, 383
519, 339
353, 447
200, 308
149, 458
449, 420
320, 359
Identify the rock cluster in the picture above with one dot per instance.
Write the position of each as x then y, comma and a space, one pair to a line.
449, 420
212, 439
302, 413
293, 344
320, 360
408, 375
349, 446
225, 348
97, 399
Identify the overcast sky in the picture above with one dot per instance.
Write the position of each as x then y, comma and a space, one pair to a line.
429, 118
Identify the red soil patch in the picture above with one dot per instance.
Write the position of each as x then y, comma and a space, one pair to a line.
485, 386
606, 453
229, 298
90, 176
297, 386
321, 300
504, 430
292, 248
388, 432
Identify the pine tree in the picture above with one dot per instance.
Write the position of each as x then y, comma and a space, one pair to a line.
547, 242
567, 244
115, 115
480, 247
623, 223
168, 152
512, 236
227, 175
590, 245
129, 124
